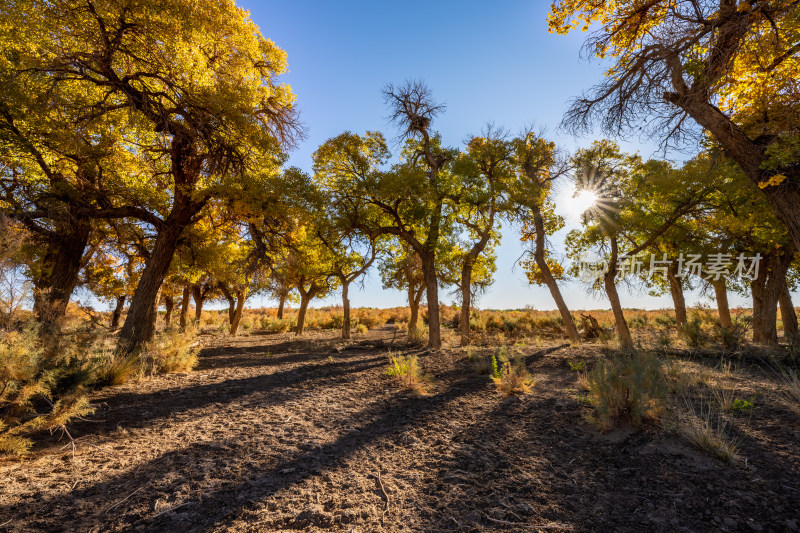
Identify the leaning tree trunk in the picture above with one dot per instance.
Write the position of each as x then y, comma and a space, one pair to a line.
305, 298
58, 274
432, 293
345, 309
281, 304
187, 291
676, 289
550, 281
241, 296
139, 325
788, 314
721, 295
747, 153
625, 339
117, 312
169, 305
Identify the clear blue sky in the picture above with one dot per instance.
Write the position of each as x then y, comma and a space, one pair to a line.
488, 62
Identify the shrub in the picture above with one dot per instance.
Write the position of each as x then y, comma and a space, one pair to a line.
362, 329
626, 388
406, 370
693, 333
115, 368
707, 431
733, 337
172, 351
791, 391
41, 385
513, 379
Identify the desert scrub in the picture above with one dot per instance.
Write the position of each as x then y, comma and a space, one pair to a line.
626, 388
791, 391
171, 351
405, 369
41, 385
513, 379
708, 432
693, 333
362, 329
117, 367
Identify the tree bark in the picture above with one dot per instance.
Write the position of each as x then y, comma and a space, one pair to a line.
625, 339
281, 304
414, 297
676, 289
197, 295
305, 298
788, 314
550, 281
747, 153
187, 291
466, 302
432, 293
766, 289
117, 312
139, 325
169, 305
241, 296
345, 309
723, 309
58, 273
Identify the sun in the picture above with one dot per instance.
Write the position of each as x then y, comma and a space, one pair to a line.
581, 201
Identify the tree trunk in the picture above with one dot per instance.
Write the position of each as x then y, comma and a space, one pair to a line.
550, 281
187, 291
676, 289
345, 309
231, 303
169, 305
625, 340
197, 295
281, 303
305, 298
788, 314
241, 296
466, 301
414, 297
58, 274
748, 154
432, 293
139, 325
117, 312
766, 289
723, 309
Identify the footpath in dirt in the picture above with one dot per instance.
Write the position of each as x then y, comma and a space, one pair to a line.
274, 434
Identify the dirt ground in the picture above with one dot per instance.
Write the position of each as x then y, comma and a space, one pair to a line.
273, 434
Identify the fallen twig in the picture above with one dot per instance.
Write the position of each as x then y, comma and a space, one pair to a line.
383, 490
527, 526
165, 511
123, 500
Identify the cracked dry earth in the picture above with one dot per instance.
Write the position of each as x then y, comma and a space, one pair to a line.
273, 434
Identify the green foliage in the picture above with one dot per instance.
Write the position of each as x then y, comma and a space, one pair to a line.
577, 366
494, 371
513, 379
406, 370
626, 388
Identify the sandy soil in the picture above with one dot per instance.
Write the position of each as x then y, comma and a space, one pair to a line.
272, 434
